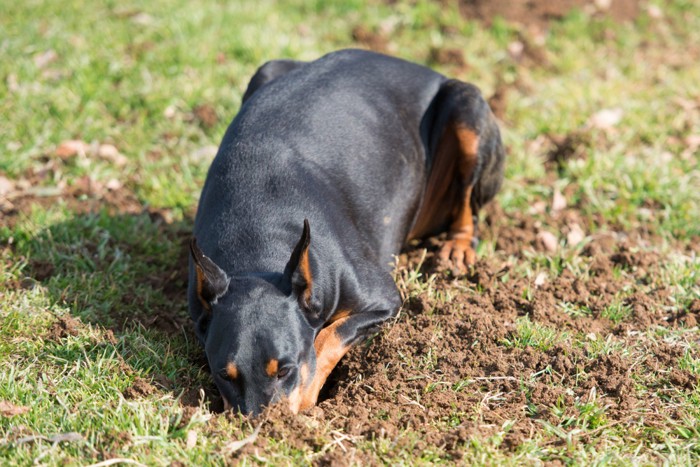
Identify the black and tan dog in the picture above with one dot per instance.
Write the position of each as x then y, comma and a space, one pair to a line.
326, 171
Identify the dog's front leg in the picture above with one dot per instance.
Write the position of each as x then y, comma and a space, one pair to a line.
331, 344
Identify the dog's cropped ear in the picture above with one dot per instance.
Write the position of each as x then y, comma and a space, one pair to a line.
298, 270
212, 281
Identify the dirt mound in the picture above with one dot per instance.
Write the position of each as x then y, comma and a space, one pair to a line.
496, 358
63, 327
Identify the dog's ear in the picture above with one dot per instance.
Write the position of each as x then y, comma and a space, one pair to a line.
298, 270
212, 281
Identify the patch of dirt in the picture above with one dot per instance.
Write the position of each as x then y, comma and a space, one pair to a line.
206, 115
85, 195
373, 40
499, 101
138, 389
449, 56
63, 327
449, 370
540, 13
567, 147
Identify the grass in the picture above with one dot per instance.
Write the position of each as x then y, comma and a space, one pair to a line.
133, 74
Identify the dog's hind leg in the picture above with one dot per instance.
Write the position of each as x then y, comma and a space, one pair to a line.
466, 170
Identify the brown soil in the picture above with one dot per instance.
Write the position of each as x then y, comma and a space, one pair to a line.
450, 369
540, 12
445, 370
139, 388
63, 327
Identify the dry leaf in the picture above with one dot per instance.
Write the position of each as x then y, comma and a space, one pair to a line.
113, 184
654, 12
692, 141
205, 153
8, 409
575, 235
6, 185
538, 207
111, 153
44, 58
191, 439
558, 201
72, 147
170, 111
540, 279
602, 5
606, 118
234, 446
548, 240
516, 49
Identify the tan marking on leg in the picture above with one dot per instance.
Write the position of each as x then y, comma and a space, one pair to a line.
272, 367
227, 406
329, 350
439, 194
232, 370
458, 247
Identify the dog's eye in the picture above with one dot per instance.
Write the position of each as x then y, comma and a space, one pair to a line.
283, 372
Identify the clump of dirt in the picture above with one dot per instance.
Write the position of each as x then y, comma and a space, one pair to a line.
206, 115
688, 316
139, 388
567, 147
499, 101
448, 56
63, 327
371, 39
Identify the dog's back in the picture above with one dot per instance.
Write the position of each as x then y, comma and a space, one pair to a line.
322, 142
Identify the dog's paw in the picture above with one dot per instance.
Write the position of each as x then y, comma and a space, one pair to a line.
458, 254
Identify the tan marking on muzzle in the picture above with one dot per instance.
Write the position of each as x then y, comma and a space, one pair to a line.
272, 367
232, 370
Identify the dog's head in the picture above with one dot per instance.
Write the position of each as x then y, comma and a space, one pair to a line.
258, 330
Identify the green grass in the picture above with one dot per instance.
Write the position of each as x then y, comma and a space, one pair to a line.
131, 74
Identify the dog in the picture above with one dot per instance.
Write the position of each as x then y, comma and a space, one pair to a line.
328, 169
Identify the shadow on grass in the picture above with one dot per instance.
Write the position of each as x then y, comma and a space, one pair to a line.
125, 274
